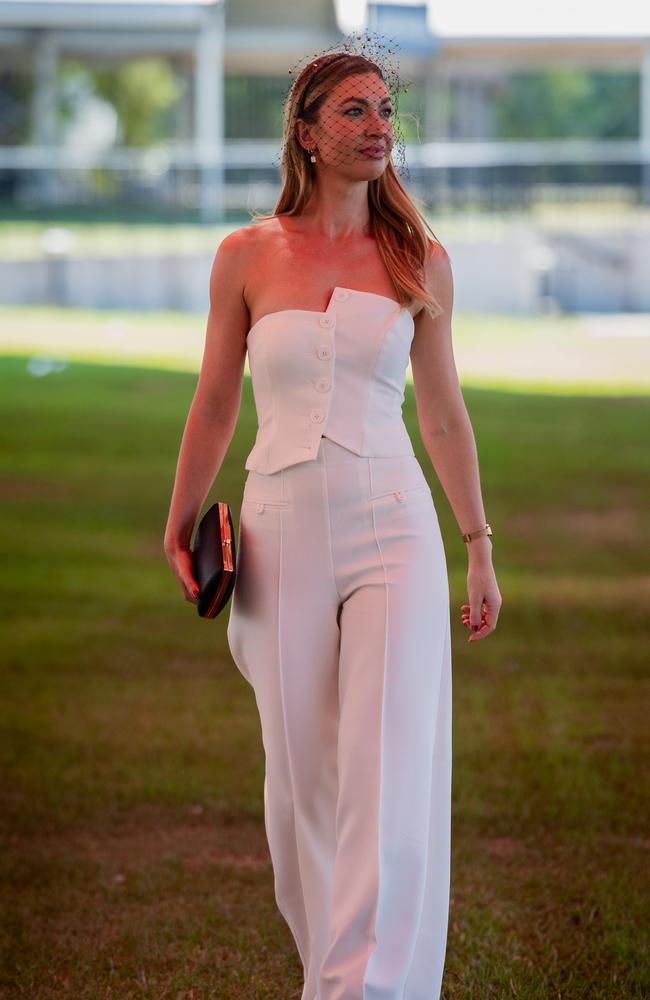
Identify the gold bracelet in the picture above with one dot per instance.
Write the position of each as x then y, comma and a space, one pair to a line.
469, 535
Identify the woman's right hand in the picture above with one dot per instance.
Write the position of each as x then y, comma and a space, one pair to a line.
181, 562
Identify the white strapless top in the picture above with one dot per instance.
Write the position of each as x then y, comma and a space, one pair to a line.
339, 373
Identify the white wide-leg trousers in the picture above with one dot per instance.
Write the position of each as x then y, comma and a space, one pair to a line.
340, 622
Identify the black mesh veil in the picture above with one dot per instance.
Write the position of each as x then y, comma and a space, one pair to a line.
345, 113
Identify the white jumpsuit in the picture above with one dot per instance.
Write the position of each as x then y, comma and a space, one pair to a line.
339, 620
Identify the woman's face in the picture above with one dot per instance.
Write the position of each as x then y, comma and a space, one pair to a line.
354, 117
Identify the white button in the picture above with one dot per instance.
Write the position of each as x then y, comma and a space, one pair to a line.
260, 508
323, 384
399, 495
324, 351
341, 295
326, 321
316, 416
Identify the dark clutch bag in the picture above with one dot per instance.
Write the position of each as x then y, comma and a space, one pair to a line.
215, 560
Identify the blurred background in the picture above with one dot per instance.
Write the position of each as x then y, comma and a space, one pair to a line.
133, 137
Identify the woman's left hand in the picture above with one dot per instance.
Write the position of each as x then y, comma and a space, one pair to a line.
481, 614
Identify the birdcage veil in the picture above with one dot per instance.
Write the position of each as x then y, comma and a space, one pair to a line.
343, 132
339, 102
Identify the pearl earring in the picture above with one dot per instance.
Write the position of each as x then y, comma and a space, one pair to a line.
312, 157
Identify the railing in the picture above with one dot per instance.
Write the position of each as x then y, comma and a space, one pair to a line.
244, 173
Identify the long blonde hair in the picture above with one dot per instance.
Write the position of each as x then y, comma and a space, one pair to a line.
395, 222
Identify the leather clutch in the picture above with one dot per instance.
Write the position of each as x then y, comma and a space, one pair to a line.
214, 559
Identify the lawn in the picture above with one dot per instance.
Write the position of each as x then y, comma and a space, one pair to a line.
134, 857
584, 354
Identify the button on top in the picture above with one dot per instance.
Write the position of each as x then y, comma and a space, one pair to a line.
326, 321
341, 294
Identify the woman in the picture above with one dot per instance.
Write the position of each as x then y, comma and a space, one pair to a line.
340, 614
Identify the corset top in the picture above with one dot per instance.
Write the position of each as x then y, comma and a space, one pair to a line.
339, 373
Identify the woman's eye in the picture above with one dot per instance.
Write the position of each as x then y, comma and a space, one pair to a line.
388, 111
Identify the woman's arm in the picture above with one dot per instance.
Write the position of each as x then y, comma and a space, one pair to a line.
447, 433
213, 413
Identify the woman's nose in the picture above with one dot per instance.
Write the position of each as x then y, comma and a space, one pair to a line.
378, 135
379, 128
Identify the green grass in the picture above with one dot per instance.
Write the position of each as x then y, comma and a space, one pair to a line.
134, 858
588, 355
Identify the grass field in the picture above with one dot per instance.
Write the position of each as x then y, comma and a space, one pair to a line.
134, 858
579, 355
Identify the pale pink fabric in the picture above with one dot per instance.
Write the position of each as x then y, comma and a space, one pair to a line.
339, 372
339, 620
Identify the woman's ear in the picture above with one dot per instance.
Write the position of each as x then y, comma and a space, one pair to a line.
303, 136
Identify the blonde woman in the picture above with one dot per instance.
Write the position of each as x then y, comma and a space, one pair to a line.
340, 615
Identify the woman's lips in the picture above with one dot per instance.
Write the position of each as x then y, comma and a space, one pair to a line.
376, 152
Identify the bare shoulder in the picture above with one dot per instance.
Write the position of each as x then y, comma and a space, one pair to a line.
235, 260
228, 315
238, 243
436, 250
438, 261
252, 241
258, 234
438, 275
266, 234
235, 265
